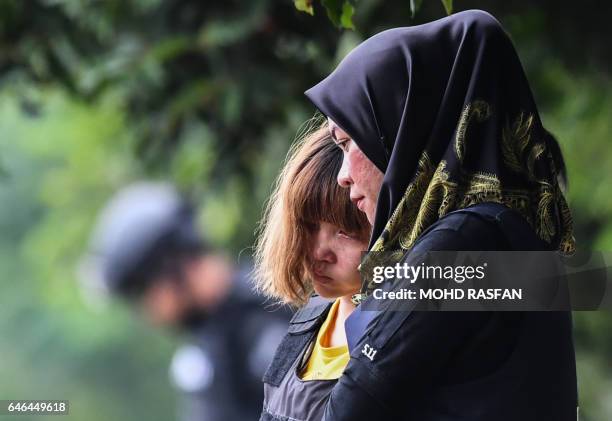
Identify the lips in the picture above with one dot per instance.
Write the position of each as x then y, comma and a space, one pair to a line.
320, 278
358, 201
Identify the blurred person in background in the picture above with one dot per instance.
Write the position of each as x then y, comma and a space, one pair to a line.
146, 249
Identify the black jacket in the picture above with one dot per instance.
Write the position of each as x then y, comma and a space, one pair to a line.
476, 366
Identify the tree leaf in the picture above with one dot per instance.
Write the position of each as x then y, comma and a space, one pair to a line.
448, 6
304, 6
347, 15
415, 5
334, 10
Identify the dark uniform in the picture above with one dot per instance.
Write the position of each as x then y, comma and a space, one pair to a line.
219, 371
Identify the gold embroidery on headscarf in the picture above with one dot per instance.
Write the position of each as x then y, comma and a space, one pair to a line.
409, 207
515, 138
435, 203
478, 109
568, 242
431, 194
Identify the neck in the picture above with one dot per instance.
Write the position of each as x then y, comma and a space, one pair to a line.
345, 308
337, 335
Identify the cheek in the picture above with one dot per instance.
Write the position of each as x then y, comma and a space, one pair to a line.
367, 177
161, 305
356, 166
351, 258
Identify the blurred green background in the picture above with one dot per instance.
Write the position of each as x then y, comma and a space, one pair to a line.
94, 94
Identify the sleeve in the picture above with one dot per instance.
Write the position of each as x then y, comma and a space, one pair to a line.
406, 353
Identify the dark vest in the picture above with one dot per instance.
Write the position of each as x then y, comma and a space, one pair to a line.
286, 396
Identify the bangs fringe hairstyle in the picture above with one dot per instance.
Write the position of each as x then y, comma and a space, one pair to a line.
306, 193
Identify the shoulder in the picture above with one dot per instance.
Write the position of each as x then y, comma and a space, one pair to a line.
484, 226
312, 313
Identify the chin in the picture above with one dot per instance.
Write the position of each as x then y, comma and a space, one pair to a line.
370, 214
327, 293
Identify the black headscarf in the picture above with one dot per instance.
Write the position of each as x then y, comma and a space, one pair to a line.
445, 111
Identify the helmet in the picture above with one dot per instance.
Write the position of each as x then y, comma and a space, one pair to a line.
144, 228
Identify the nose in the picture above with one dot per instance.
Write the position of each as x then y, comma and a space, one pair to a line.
344, 179
321, 250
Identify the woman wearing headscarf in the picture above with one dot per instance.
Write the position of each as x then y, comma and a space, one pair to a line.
444, 150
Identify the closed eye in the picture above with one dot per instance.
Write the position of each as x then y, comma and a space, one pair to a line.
343, 144
345, 234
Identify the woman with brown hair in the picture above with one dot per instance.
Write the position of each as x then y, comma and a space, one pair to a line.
311, 239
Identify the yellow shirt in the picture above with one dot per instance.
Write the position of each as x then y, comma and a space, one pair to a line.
325, 362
